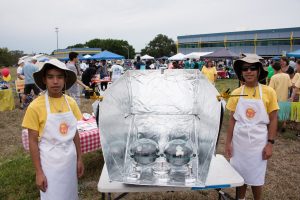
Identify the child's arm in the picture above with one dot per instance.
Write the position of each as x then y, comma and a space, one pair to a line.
40, 178
80, 167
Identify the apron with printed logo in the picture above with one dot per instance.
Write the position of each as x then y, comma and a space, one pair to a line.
249, 139
58, 155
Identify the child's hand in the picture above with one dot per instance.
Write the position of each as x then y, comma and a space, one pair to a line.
80, 168
41, 181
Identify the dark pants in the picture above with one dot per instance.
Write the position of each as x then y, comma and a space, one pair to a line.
103, 86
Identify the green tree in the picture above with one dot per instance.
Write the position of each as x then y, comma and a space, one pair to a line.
120, 47
76, 46
160, 46
9, 58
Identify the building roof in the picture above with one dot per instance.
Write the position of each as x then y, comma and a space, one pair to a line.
241, 32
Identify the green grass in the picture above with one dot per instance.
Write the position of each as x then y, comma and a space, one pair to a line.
17, 178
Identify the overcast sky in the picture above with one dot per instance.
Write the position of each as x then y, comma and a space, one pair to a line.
29, 25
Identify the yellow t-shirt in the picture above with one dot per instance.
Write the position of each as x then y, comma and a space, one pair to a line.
297, 83
281, 83
269, 97
295, 78
209, 73
36, 114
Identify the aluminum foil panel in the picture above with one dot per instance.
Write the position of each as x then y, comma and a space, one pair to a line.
160, 127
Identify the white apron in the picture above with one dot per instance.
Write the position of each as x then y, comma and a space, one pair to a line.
58, 155
249, 138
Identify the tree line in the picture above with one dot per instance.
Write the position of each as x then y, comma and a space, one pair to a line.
160, 46
9, 58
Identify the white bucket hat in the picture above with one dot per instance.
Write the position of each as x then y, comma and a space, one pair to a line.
39, 75
20, 62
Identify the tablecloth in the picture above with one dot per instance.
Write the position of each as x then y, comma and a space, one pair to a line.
88, 134
7, 101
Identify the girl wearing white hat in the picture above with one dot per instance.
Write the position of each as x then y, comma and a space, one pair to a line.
51, 120
252, 125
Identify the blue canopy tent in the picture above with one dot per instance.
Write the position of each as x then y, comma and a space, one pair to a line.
295, 54
106, 55
63, 59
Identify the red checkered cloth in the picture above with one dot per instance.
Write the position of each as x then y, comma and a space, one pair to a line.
89, 140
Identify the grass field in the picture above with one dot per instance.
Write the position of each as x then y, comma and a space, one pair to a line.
17, 178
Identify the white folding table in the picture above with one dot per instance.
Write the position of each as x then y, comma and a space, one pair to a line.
220, 175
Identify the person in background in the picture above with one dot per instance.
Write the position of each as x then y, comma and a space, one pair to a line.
75, 90
295, 92
270, 71
284, 63
21, 64
252, 126
88, 74
54, 144
281, 83
117, 71
292, 63
27, 72
138, 63
187, 64
83, 66
210, 72
103, 71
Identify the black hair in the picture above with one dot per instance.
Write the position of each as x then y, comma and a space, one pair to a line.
73, 55
290, 71
285, 59
276, 66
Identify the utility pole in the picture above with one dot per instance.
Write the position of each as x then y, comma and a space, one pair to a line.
56, 30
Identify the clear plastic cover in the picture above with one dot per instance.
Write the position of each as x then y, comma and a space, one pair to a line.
160, 127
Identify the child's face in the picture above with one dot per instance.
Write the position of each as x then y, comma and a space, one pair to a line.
55, 81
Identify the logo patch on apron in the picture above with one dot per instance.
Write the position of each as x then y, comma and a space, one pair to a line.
63, 128
250, 113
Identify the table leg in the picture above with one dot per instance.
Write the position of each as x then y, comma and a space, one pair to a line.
237, 193
121, 196
102, 196
109, 196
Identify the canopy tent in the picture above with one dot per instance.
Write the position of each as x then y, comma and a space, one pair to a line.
87, 56
163, 58
178, 56
252, 55
196, 55
275, 58
147, 57
222, 53
106, 55
63, 59
295, 54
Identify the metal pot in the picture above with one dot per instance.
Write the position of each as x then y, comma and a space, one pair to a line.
144, 151
178, 152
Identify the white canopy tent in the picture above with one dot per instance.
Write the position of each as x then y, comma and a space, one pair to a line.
196, 55
147, 57
178, 56
87, 56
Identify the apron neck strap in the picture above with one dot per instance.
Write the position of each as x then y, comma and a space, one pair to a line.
259, 88
48, 105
